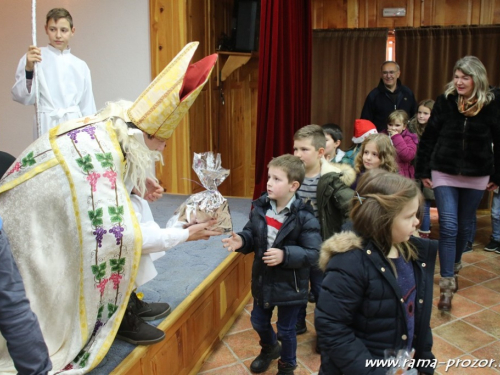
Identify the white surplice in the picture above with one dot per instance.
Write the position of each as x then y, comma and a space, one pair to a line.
155, 240
65, 88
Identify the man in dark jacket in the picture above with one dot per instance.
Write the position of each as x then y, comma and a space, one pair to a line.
388, 96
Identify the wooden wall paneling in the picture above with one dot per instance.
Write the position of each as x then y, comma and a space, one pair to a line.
352, 14
368, 13
371, 13
362, 13
235, 129
237, 140
230, 291
335, 14
487, 12
446, 13
490, 12
426, 8
496, 11
317, 13
169, 356
200, 326
200, 125
196, 326
221, 117
222, 15
220, 133
168, 36
475, 12
200, 133
243, 128
417, 13
251, 149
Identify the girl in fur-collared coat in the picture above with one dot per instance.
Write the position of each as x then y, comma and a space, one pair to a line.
377, 290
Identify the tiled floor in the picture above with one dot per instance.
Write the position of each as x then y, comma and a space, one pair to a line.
470, 331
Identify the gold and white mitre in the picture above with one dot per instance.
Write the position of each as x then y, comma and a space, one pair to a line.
161, 107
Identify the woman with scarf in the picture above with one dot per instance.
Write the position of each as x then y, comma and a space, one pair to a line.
457, 160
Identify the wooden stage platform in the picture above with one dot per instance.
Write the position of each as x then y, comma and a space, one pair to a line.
197, 325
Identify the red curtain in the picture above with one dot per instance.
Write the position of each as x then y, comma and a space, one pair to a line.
284, 103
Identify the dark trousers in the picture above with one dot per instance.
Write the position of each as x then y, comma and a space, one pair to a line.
315, 278
287, 318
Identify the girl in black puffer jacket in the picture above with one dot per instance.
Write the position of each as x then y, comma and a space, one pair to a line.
377, 290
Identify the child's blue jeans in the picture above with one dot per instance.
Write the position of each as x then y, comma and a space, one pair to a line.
287, 318
426, 219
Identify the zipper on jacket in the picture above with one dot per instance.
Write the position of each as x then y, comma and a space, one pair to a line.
295, 277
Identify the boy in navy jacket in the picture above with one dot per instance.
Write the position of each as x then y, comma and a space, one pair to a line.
285, 236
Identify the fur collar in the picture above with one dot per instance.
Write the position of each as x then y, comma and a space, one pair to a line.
337, 244
347, 173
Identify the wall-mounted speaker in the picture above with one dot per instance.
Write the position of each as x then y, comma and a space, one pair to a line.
246, 25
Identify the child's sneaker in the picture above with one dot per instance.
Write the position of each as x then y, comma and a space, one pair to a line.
493, 246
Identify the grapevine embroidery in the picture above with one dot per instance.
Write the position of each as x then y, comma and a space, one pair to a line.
88, 164
28, 161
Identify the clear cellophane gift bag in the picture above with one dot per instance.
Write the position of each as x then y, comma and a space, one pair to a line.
208, 204
401, 359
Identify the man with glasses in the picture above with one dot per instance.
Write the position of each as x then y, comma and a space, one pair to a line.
388, 96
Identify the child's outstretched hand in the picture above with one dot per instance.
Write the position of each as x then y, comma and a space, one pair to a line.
33, 55
272, 257
232, 243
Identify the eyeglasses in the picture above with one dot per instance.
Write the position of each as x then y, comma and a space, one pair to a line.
389, 73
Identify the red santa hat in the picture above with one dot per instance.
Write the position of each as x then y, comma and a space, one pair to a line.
362, 129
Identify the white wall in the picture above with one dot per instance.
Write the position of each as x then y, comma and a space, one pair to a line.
112, 36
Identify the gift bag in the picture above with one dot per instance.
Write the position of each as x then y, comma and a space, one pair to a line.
401, 360
208, 204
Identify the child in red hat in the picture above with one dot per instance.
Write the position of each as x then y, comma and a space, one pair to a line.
362, 129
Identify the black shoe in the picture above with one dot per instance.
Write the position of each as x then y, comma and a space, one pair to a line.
468, 247
136, 331
300, 328
311, 298
264, 359
149, 311
285, 368
492, 246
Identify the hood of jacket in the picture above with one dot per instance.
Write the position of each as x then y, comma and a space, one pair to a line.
347, 173
408, 133
337, 244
